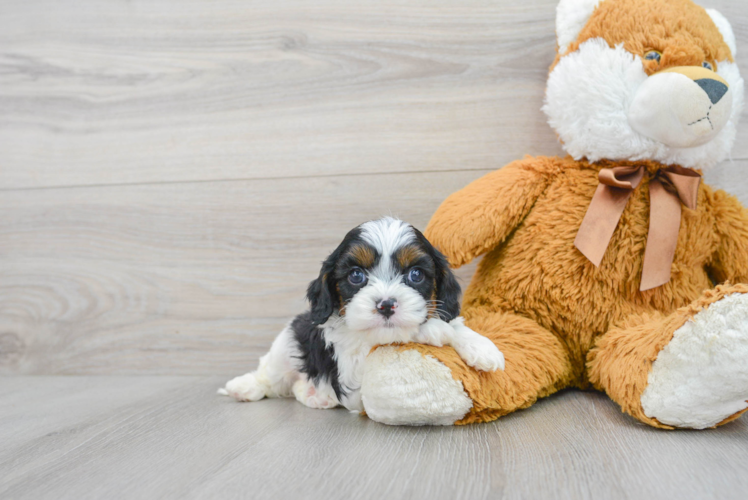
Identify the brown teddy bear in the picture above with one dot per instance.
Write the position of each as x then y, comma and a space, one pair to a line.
600, 268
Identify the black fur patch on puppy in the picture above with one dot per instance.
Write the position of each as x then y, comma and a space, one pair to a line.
322, 293
317, 359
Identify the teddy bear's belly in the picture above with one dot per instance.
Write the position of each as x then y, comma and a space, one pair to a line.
538, 272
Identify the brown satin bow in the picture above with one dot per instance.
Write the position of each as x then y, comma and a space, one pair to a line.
669, 188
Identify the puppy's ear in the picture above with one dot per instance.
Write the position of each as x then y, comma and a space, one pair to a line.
321, 292
448, 290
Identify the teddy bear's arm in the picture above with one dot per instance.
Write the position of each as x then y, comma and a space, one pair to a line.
730, 261
479, 217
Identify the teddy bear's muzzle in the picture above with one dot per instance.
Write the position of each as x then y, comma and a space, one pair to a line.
681, 107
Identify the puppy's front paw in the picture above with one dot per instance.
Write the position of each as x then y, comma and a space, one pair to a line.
313, 397
481, 354
475, 349
244, 388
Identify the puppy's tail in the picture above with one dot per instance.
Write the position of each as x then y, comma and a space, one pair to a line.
223, 392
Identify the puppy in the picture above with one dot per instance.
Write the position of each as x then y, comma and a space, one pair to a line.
384, 284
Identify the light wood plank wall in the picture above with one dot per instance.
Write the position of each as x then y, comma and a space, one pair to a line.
172, 172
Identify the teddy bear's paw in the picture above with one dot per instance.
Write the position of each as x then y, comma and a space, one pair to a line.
402, 387
244, 388
701, 377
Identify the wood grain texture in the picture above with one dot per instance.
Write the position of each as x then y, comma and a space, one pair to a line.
193, 278
172, 174
178, 278
172, 437
101, 92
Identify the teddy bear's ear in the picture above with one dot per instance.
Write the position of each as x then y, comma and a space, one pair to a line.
723, 25
571, 16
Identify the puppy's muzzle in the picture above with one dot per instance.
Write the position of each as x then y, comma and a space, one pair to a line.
681, 107
387, 307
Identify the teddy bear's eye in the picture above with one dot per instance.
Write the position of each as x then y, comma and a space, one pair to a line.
653, 55
708, 65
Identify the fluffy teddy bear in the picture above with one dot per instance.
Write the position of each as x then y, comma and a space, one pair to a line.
615, 267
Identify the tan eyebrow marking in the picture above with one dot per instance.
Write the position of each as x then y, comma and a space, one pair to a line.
363, 255
406, 256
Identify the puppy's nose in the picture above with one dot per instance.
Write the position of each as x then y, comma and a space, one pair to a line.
714, 89
387, 307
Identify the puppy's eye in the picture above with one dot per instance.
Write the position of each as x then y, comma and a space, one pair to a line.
653, 55
356, 276
708, 65
415, 275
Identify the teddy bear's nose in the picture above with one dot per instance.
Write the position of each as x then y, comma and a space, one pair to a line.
681, 107
714, 89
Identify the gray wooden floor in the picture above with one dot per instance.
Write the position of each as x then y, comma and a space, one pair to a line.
172, 437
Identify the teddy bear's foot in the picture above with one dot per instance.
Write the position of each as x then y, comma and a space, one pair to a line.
403, 387
700, 379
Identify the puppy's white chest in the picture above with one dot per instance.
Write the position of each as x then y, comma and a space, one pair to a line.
351, 349
350, 373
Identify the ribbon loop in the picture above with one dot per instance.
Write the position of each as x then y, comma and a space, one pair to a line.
685, 182
621, 177
670, 187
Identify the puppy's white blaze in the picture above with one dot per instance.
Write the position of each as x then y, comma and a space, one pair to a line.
386, 235
587, 102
